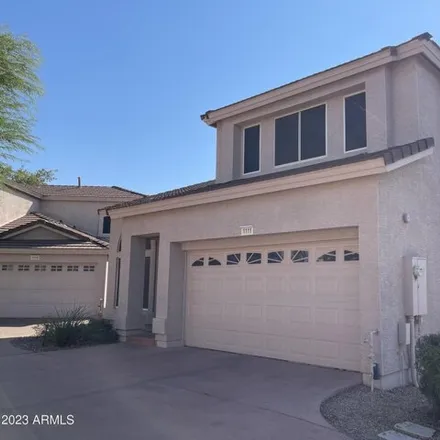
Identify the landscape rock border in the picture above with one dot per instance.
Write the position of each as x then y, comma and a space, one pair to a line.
362, 414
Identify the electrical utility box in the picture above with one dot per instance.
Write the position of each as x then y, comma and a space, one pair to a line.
415, 286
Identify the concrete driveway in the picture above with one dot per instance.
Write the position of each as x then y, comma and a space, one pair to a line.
126, 392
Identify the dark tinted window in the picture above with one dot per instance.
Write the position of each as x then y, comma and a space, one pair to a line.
355, 122
199, 262
351, 256
214, 262
328, 256
286, 139
313, 132
233, 259
251, 149
106, 225
253, 258
275, 257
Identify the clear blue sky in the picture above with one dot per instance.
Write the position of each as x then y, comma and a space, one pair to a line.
126, 81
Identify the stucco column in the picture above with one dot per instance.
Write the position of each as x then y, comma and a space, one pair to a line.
128, 315
109, 309
168, 323
378, 110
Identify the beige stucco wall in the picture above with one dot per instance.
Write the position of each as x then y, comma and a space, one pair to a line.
414, 190
82, 214
14, 204
376, 83
39, 233
345, 204
403, 105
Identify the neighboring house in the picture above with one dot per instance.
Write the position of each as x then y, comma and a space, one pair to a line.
295, 250
54, 247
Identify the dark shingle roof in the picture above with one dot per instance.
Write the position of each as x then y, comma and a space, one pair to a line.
80, 238
106, 192
389, 155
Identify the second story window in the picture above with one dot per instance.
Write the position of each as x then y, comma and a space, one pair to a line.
355, 122
300, 136
251, 149
106, 222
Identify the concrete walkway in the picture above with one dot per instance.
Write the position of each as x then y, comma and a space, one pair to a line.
133, 393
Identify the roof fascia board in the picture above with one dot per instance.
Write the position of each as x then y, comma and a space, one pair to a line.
432, 53
27, 191
51, 251
59, 197
318, 80
361, 169
408, 160
40, 224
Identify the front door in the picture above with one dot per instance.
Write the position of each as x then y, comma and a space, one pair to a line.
148, 300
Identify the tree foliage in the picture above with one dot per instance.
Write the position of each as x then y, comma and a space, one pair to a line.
25, 177
19, 89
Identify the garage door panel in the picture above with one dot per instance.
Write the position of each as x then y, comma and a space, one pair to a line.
349, 317
298, 311
300, 314
38, 291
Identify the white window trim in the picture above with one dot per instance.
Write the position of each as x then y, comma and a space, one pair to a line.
343, 121
242, 150
301, 161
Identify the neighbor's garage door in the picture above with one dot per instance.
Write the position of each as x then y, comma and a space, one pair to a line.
294, 302
37, 290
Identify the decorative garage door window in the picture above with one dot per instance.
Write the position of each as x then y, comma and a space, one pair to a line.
56, 268
40, 268
299, 256
327, 257
351, 255
199, 262
72, 268
233, 259
23, 267
7, 267
275, 257
213, 262
88, 268
253, 258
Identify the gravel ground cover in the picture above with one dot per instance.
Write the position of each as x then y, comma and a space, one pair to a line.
362, 415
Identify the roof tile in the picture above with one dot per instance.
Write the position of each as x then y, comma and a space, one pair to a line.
390, 155
81, 191
35, 218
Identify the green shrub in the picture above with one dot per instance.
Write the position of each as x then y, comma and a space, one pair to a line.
99, 331
64, 330
428, 367
74, 327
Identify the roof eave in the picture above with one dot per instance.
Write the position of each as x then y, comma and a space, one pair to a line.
418, 45
371, 166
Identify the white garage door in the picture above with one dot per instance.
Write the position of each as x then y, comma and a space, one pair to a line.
37, 290
294, 302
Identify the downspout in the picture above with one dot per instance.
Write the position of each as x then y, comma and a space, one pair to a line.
412, 350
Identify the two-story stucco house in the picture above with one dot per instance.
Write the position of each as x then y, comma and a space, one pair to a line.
295, 250
54, 247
